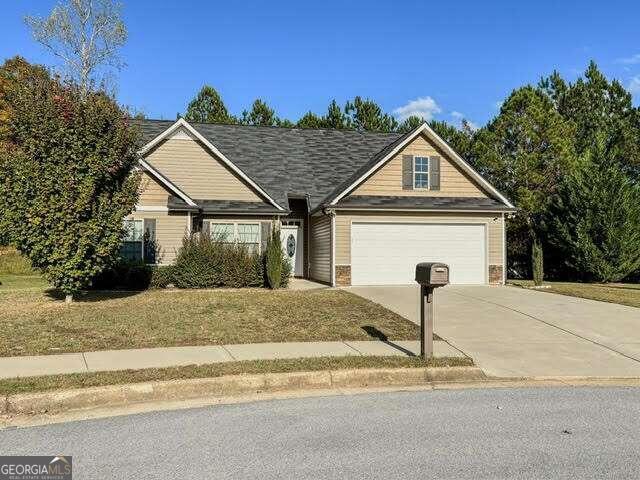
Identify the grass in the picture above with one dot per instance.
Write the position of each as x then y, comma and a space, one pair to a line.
36, 322
21, 282
12, 263
622, 293
83, 380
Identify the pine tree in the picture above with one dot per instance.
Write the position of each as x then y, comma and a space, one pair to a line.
260, 114
595, 217
366, 115
208, 107
524, 152
309, 120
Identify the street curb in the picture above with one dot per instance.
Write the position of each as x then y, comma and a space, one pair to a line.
228, 386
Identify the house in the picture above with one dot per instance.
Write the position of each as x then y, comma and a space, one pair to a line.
356, 208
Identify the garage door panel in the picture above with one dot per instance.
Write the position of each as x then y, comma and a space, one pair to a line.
385, 253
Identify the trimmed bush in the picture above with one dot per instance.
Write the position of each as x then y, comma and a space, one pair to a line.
161, 276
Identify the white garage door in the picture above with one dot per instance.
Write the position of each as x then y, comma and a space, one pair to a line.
387, 253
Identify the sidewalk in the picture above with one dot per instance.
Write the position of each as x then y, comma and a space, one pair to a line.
108, 360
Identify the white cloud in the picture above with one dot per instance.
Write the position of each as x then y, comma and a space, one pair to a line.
632, 60
634, 85
458, 117
423, 107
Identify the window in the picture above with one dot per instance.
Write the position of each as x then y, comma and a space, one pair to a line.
133, 242
249, 235
421, 172
223, 232
241, 233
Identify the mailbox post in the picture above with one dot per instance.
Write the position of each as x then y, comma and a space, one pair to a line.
430, 276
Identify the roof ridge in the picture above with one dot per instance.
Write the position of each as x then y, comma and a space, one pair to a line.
273, 127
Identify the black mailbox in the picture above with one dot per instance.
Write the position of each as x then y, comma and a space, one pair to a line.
432, 274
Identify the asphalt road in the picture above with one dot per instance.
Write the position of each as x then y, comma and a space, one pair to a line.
494, 433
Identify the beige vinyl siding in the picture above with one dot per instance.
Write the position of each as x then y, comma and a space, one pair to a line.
190, 166
170, 230
344, 220
320, 248
152, 193
388, 179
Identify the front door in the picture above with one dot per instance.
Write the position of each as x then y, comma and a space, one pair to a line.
291, 237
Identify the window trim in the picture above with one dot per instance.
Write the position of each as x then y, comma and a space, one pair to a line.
235, 224
428, 172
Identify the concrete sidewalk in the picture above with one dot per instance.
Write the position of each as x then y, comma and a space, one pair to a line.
108, 360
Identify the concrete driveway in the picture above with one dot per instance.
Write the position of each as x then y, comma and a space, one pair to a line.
510, 331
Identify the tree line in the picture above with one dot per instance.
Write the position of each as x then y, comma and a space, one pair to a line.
566, 153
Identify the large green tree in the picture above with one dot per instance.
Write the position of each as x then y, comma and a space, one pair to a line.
310, 120
594, 219
596, 105
335, 118
66, 182
460, 139
365, 114
524, 152
208, 107
260, 114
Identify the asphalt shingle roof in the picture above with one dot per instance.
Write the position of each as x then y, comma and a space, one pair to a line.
435, 203
285, 161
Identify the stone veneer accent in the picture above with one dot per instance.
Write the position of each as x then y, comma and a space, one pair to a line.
495, 274
343, 275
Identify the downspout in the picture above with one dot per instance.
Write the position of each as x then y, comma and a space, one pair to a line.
332, 215
504, 249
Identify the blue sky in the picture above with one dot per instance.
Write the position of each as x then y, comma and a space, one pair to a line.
441, 59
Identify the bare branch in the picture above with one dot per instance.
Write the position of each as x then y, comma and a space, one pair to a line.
85, 34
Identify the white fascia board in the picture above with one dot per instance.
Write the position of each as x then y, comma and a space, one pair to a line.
444, 146
167, 183
182, 123
152, 208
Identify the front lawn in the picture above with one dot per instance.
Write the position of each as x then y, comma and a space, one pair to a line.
622, 293
33, 322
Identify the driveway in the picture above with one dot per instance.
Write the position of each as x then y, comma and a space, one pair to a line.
510, 331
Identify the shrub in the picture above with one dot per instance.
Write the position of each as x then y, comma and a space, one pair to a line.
161, 276
537, 262
125, 275
274, 257
285, 274
204, 262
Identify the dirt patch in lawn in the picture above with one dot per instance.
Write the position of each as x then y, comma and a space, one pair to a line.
38, 323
